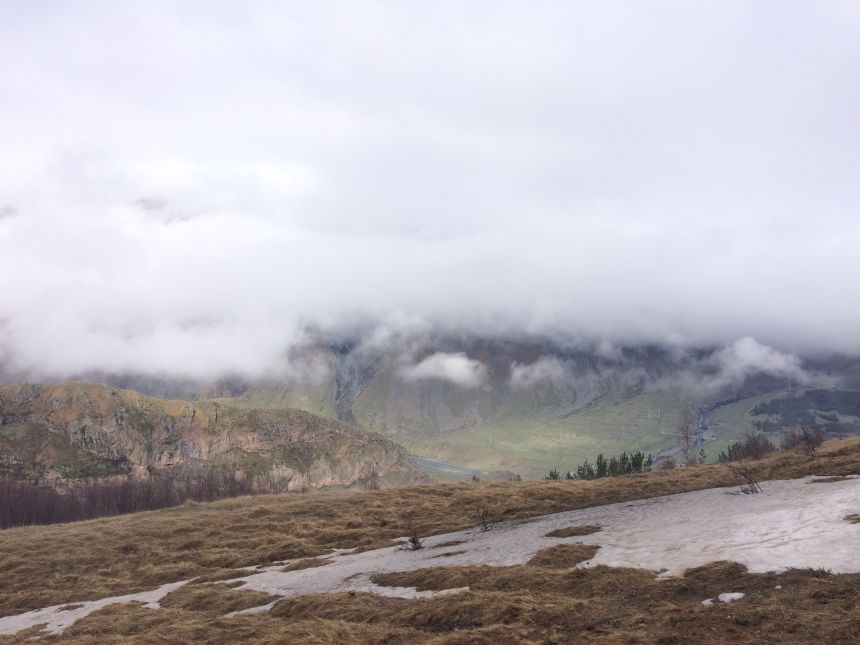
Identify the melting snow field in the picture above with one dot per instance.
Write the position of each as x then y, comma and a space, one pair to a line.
57, 618
792, 524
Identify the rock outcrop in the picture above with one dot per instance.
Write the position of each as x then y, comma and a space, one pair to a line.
73, 430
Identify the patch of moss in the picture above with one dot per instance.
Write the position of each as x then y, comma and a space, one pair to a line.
87, 465
240, 460
138, 421
16, 431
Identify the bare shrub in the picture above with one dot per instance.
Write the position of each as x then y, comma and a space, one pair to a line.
667, 463
369, 477
748, 480
805, 440
483, 516
414, 541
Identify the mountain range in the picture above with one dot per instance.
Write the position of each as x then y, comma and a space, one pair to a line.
513, 406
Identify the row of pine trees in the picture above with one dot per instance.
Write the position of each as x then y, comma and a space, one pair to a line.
602, 468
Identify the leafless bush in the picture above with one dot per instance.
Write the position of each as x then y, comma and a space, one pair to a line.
414, 542
483, 516
749, 483
805, 440
667, 463
369, 477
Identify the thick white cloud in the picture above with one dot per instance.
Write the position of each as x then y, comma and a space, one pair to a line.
729, 366
189, 186
455, 367
745, 357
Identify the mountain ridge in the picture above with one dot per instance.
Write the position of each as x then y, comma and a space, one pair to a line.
74, 430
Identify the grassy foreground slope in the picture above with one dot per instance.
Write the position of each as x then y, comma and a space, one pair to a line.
41, 566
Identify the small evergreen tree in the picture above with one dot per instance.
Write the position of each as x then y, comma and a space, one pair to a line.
585, 471
624, 463
614, 467
600, 470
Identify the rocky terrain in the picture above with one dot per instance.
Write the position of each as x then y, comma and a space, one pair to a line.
69, 431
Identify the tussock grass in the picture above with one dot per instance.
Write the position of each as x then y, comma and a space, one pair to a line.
220, 575
831, 479
41, 566
564, 556
214, 599
579, 530
304, 564
517, 604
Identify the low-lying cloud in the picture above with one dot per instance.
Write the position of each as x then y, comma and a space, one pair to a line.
746, 357
546, 370
607, 172
454, 367
729, 367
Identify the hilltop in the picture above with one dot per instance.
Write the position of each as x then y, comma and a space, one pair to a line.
66, 432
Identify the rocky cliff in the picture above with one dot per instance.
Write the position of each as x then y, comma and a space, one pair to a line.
73, 430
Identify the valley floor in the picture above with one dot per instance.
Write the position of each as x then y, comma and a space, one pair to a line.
587, 574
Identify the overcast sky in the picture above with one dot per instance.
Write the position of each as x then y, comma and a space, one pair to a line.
187, 186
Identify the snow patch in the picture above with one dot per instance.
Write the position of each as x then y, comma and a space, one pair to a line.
55, 619
256, 610
725, 597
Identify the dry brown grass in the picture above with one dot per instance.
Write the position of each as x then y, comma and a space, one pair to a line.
563, 556
304, 564
41, 566
579, 530
518, 604
214, 599
831, 479
220, 575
